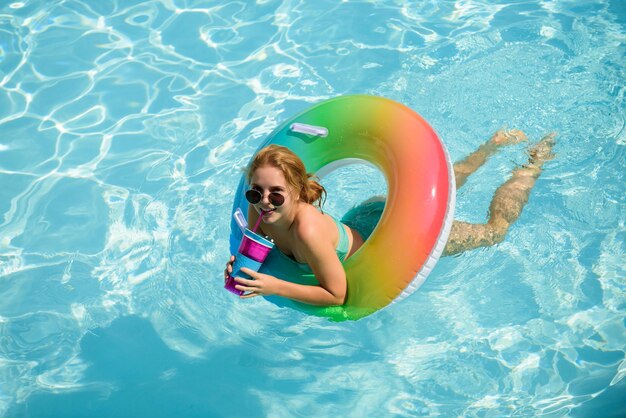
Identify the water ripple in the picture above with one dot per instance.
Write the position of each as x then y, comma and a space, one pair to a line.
123, 131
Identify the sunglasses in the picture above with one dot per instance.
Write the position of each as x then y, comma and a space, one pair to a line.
254, 196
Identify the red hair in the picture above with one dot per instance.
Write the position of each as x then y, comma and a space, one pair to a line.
292, 167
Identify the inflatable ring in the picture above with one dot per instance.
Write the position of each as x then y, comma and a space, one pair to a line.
412, 232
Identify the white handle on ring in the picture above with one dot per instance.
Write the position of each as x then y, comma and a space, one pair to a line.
303, 128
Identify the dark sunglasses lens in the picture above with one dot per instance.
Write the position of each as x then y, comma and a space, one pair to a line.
277, 199
253, 196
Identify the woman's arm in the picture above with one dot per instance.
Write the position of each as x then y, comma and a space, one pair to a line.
320, 255
265, 285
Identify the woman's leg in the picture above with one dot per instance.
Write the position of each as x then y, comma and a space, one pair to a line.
506, 206
463, 169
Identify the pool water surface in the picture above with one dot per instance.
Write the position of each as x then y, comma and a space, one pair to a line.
124, 126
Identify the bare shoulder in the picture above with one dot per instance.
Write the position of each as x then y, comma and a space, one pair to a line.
312, 226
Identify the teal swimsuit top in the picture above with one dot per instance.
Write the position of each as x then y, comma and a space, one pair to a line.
343, 246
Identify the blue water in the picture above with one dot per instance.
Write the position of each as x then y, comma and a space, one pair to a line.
123, 128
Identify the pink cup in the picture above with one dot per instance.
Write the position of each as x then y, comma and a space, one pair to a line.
253, 250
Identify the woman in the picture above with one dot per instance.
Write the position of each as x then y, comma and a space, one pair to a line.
288, 200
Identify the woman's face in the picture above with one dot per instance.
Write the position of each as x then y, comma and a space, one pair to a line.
266, 180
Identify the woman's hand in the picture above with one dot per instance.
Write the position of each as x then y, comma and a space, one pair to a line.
260, 284
229, 267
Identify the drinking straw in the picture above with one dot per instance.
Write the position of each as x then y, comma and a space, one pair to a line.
258, 221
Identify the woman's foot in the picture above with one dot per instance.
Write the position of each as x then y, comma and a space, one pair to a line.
508, 137
542, 151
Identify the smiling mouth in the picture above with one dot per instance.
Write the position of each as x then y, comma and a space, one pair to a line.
266, 213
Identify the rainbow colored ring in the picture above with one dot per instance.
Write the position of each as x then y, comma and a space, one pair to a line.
414, 227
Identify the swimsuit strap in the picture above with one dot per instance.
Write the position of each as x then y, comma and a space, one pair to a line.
343, 244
